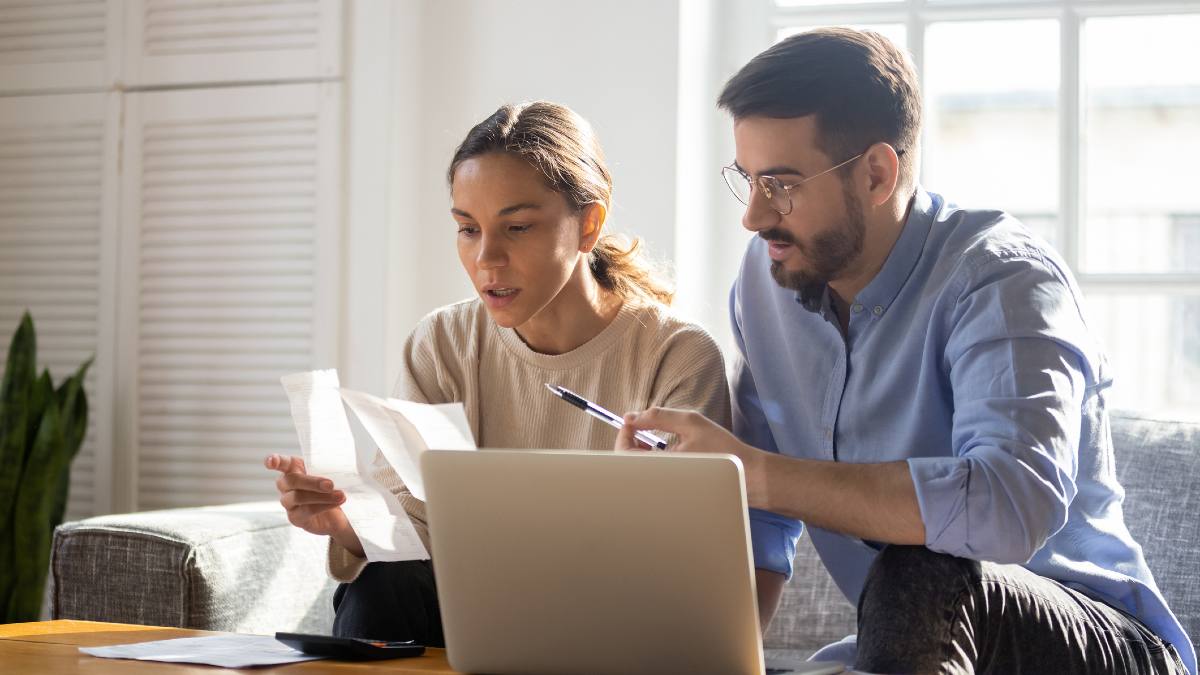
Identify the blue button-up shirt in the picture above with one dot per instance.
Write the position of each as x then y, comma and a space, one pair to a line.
969, 357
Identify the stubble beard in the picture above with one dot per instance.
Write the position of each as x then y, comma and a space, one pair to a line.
829, 254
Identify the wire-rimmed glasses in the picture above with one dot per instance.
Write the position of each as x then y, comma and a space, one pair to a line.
778, 194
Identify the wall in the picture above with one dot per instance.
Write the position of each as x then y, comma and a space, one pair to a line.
613, 62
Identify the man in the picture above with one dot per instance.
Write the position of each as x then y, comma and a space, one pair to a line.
918, 386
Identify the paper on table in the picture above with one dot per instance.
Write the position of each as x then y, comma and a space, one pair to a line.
405, 429
377, 517
226, 651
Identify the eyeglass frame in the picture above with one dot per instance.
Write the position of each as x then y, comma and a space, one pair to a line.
787, 189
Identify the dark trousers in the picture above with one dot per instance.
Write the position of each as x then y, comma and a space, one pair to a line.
926, 612
390, 601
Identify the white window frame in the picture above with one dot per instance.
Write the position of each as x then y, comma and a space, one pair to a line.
772, 16
917, 15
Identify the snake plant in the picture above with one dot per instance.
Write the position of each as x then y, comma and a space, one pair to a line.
41, 430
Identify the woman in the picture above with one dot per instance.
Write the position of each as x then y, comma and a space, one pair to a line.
558, 303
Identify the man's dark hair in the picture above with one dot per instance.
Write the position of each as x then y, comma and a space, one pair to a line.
860, 86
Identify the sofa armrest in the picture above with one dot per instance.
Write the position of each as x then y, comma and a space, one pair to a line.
240, 568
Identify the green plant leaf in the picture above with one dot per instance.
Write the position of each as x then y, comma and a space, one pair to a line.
21, 366
73, 405
41, 430
15, 410
41, 397
19, 372
48, 460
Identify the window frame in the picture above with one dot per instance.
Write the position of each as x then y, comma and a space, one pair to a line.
917, 15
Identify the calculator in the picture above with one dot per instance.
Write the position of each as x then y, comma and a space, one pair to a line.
355, 649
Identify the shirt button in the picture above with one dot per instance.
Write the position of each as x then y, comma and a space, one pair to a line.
856, 308
878, 310
828, 434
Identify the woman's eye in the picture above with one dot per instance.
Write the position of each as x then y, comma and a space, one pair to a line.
519, 228
468, 230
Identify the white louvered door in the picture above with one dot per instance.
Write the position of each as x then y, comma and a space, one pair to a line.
162, 207
58, 186
186, 41
230, 208
57, 44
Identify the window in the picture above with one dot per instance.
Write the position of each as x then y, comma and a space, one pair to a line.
1185, 330
1077, 116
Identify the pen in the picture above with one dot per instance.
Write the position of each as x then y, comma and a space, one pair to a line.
605, 416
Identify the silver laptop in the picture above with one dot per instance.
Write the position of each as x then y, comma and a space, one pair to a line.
593, 562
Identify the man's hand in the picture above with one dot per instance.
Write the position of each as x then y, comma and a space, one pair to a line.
313, 503
696, 433
869, 501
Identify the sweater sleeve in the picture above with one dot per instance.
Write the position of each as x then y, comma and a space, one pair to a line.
691, 376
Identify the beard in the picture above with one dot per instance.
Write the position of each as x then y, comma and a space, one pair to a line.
829, 253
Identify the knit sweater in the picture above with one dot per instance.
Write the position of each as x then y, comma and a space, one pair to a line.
645, 357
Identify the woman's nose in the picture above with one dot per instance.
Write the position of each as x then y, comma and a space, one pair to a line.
491, 253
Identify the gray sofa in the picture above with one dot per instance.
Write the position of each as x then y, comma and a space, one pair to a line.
242, 568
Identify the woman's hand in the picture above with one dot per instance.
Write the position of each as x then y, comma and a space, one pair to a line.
313, 503
696, 433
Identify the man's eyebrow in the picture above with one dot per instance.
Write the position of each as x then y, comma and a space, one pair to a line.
773, 171
781, 171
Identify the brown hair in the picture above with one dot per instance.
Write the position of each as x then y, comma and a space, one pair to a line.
561, 145
860, 86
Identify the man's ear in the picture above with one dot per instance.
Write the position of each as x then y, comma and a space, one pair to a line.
883, 172
591, 224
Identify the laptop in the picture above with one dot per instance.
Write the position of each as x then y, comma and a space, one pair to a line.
569, 562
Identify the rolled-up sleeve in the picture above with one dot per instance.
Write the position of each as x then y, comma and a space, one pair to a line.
773, 536
1018, 381
774, 539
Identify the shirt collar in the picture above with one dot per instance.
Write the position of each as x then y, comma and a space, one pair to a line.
886, 285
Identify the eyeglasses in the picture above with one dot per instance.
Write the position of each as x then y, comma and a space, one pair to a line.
778, 195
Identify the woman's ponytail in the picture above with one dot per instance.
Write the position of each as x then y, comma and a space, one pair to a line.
619, 265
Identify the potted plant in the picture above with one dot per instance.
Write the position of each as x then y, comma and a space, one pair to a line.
41, 430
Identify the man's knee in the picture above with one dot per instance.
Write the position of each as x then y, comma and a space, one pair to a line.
914, 576
907, 608
913, 562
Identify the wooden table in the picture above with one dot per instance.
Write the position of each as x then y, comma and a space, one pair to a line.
53, 647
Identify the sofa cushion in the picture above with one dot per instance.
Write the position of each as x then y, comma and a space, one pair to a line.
240, 568
812, 612
1158, 464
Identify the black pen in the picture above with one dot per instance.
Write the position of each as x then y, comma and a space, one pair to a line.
605, 416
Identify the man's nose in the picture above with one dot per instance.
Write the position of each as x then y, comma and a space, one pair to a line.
759, 215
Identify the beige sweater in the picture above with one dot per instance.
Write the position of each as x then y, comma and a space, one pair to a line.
645, 357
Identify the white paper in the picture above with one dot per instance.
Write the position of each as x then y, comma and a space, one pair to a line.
377, 517
321, 424
405, 429
226, 651
442, 427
